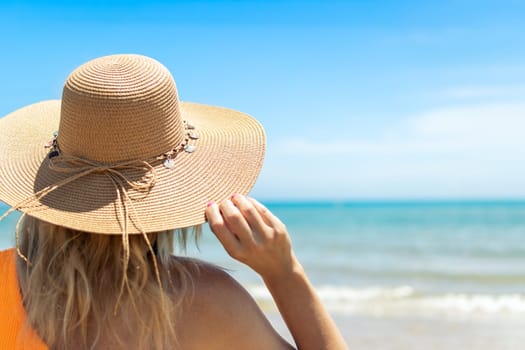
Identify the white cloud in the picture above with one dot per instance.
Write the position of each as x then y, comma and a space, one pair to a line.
468, 151
482, 128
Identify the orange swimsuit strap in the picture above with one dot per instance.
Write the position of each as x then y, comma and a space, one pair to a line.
14, 334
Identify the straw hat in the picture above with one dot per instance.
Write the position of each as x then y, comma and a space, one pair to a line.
128, 155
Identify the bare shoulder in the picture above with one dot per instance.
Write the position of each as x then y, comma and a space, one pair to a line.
215, 289
225, 312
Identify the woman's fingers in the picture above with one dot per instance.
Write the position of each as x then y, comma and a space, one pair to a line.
251, 234
236, 222
219, 228
266, 215
250, 213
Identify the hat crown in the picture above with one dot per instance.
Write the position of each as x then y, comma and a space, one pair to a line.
120, 107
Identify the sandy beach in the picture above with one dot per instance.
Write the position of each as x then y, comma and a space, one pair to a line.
371, 333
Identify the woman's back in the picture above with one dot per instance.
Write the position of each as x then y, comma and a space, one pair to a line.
71, 277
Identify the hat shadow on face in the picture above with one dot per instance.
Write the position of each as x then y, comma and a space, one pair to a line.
87, 193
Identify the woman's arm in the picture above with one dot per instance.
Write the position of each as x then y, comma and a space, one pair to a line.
251, 234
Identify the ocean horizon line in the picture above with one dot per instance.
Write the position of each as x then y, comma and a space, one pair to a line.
327, 202
390, 201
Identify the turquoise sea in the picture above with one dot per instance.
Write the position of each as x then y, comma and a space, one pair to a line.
458, 261
455, 259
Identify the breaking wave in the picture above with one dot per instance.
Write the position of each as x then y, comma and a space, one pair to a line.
405, 300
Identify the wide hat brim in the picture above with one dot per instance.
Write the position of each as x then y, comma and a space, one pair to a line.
227, 160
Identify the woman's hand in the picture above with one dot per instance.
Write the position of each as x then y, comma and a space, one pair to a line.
251, 234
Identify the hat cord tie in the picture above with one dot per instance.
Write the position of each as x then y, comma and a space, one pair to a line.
125, 209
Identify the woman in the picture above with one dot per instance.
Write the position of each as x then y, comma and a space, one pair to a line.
129, 168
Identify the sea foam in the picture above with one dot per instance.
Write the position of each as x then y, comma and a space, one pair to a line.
406, 301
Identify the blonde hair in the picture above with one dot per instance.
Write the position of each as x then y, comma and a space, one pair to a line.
71, 287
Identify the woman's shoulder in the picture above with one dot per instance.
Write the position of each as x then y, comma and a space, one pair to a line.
211, 283
225, 310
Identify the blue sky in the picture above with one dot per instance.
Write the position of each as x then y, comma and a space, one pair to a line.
360, 99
